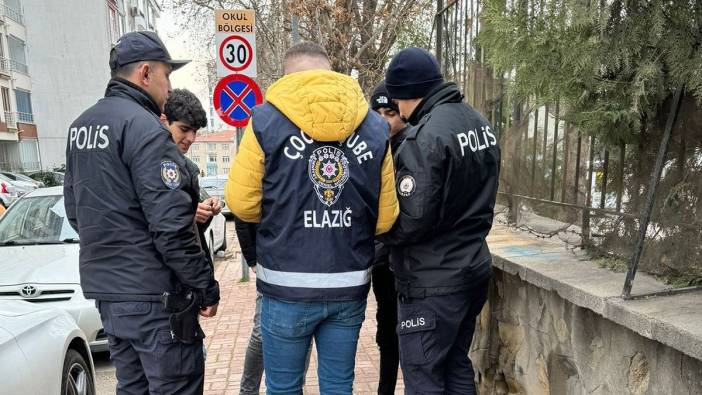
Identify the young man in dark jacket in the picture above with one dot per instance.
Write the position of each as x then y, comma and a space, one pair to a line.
183, 115
382, 279
447, 175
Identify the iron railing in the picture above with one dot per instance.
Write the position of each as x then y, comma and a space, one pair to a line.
26, 117
11, 119
12, 14
548, 164
18, 66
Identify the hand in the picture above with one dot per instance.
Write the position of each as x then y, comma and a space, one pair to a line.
253, 269
203, 213
209, 311
216, 205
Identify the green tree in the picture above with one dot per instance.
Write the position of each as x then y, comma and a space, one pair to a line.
613, 64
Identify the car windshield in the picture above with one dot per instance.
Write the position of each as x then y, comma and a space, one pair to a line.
212, 183
22, 177
36, 220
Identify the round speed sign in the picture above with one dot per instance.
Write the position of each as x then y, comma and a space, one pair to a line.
236, 53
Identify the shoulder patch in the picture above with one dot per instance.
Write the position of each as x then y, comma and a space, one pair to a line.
170, 174
406, 186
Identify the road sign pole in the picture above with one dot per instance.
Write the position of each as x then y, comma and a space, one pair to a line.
244, 265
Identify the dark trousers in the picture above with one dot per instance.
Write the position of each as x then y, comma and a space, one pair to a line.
435, 335
148, 360
386, 335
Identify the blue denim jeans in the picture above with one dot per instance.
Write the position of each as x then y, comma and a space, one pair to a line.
288, 328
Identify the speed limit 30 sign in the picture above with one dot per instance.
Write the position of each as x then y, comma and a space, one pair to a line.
236, 42
236, 53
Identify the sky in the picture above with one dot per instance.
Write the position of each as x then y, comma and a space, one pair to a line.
187, 77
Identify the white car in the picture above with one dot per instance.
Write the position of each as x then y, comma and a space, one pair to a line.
216, 233
22, 183
214, 185
42, 351
40, 259
8, 193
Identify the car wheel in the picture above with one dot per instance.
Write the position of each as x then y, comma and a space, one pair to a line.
224, 239
212, 251
77, 377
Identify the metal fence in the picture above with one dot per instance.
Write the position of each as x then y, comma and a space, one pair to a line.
13, 14
558, 182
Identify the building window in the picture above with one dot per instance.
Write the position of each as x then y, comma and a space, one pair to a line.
196, 159
18, 55
225, 147
225, 159
211, 147
195, 147
24, 106
212, 158
116, 20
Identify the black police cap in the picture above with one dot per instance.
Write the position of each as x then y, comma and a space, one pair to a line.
141, 46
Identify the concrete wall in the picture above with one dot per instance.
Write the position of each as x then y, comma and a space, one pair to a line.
530, 340
68, 48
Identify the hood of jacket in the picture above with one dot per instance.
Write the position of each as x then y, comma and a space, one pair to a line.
326, 105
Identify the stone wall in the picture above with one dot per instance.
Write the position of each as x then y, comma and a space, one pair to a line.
532, 341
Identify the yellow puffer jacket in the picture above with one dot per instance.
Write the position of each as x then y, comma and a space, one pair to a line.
328, 106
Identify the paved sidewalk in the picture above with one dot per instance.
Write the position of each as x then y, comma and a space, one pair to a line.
228, 335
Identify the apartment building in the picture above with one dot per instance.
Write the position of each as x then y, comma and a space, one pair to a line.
18, 131
57, 56
214, 152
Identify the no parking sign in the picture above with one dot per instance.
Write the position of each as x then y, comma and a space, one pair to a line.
234, 97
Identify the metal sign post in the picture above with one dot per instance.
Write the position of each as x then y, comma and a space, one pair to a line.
236, 94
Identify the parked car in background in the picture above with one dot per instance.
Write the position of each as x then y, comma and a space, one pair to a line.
214, 185
49, 178
22, 178
40, 260
40, 263
216, 233
8, 194
21, 185
43, 351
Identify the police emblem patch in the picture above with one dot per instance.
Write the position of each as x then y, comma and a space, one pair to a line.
170, 174
328, 170
406, 186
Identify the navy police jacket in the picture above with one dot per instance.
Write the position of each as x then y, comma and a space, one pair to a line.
129, 196
447, 175
315, 170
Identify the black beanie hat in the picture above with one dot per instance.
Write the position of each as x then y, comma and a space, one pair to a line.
381, 98
412, 74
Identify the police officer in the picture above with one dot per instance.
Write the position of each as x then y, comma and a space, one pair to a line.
382, 278
128, 195
447, 175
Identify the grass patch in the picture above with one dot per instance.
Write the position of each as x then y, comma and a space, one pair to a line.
616, 265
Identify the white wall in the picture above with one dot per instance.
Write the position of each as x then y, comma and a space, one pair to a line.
68, 49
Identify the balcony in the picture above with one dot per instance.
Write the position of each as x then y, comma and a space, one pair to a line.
18, 66
5, 68
25, 117
12, 14
11, 119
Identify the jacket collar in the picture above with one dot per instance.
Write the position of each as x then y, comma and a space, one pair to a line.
398, 138
122, 88
445, 93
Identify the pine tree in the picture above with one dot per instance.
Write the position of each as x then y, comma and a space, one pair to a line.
613, 64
